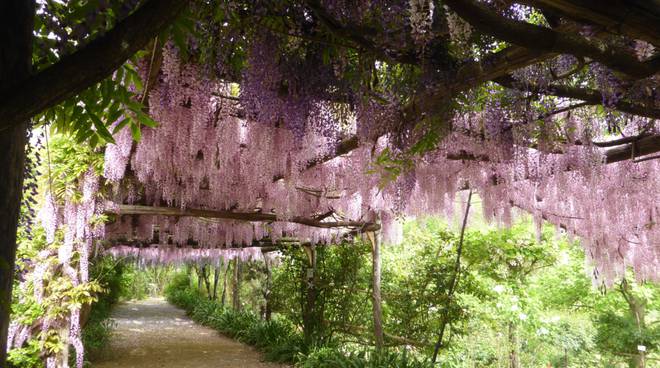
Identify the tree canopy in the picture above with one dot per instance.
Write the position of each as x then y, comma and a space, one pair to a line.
321, 110
336, 116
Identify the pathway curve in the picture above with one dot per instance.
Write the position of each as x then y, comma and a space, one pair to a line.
154, 334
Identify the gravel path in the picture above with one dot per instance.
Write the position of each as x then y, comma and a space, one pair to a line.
154, 334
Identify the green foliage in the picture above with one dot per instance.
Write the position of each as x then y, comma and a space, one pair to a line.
38, 262
341, 282
139, 282
279, 339
276, 338
335, 358
27, 356
64, 164
97, 331
88, 116
622, 320
60, 295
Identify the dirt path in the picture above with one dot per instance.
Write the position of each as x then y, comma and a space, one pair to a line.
152, 333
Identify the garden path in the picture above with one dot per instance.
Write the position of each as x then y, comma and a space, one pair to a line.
154, 334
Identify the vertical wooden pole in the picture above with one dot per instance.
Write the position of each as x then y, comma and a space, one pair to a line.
514, 360
236, 290
16, 26
375, 240
267, 291
310, 323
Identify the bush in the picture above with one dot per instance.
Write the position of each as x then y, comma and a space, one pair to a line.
330, 357
278, 339
98, 329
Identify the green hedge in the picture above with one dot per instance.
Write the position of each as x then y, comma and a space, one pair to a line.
278, 339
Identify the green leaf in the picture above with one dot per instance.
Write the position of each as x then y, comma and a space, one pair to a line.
101, 129
135, 131
121, 125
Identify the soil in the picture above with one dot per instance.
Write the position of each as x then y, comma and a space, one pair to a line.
154, 334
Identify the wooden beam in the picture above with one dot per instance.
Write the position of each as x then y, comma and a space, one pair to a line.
590, 96
643, 146
534, 37
125, 209
89, 65
343, 147
636, 19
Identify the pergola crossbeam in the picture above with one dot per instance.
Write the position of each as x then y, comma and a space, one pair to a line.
125, 209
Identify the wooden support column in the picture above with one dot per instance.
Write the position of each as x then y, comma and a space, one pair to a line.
267, 291
375, 240
16, 26
310, 320
236, 286
223, 298
514, 360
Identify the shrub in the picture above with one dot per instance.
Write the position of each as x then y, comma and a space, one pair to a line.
278, 339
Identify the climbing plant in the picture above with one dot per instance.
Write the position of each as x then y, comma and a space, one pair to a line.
321, 120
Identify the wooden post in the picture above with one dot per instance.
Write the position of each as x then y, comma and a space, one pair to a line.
16, 26
514, 360
236, 286
310, 322
267, 291
375, 240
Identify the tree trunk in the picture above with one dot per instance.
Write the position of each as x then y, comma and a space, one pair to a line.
198, 272
216, 277
454, 282
514, 360
223, 298
375, 240
207, 281
637, 308
63, 355
236, 285
16, 24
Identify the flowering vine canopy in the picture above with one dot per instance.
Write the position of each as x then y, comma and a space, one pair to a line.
255, 122
323, 119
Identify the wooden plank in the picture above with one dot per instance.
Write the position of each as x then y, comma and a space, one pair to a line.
125, 209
